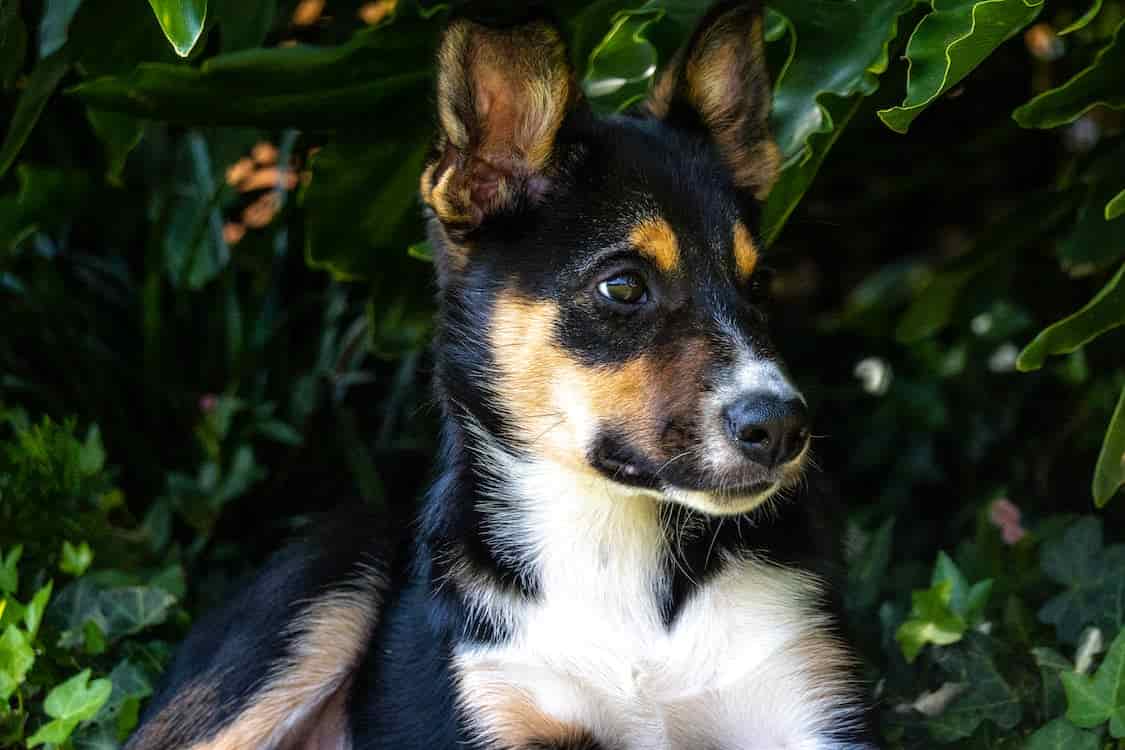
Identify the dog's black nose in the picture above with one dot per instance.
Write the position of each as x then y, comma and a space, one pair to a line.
768, 429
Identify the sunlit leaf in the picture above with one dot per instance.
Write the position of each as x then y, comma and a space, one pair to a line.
181, 21
949, 43
16, 659
1092, 701
1100, 83
1109, 473
68, 704
931, 620
1115, 207
1102, 313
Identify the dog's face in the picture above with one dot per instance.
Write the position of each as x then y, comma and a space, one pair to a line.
600, 275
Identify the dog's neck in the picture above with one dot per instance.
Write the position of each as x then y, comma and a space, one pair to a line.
500, 528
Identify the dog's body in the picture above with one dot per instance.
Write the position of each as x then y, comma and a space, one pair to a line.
602, 561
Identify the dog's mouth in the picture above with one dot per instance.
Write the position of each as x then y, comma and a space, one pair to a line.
619, 463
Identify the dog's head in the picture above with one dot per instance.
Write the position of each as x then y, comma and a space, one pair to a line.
599, 275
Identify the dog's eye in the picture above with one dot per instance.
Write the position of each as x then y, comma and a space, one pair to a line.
627, 288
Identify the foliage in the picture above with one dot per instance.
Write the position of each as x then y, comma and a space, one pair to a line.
175, 180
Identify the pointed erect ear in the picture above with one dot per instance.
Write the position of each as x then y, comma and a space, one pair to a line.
719, 81
502, 95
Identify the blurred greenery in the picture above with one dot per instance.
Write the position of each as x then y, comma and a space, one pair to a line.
215, 303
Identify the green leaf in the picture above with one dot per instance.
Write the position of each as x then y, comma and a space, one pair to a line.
33, 615
1098, 84
1115, 207
1094, 577
117, 612
75, 560
1094, 241
74, 701
41, 84
383, 70
119, 134
1092, 701
1109, 473
1102, 313
181, 21
931, 621
988, 696
9, 569
54, 27
797, 177
1060, 734
836, 48
867, 567
361, 203
621, 66
949, 43
1083, 20
16, 658
244, 23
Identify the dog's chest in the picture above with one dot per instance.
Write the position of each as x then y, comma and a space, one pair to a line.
746, 665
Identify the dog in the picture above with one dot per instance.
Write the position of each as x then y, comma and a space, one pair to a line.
616, 552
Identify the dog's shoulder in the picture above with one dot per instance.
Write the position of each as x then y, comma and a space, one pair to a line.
273, 666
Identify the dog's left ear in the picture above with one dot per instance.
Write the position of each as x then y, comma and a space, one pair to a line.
502, 95
719, 81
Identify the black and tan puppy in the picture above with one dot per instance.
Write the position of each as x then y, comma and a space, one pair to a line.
614, 553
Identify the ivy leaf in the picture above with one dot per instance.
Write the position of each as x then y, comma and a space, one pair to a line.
1092, 701
965, 601
988, 698
1094, 577
69, 704
949, 43
1109, 472
16, 658
116, 612
181, 21
1102, 313
33, 614
867, 567
1060, 734
75, 560
931, 621
1098, 84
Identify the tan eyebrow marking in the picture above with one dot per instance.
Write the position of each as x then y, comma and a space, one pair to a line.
655, 239
745, 252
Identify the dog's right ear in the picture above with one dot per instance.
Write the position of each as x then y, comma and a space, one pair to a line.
502, 95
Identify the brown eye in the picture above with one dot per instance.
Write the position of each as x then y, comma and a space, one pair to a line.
626, 288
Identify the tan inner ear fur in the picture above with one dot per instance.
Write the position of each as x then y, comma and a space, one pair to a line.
502, 96
655, 239
558, 404
745, 252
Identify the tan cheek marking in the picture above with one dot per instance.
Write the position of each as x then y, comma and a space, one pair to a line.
557, 403
745, 253
655, 240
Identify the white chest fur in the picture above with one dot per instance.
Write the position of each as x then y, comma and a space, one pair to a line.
747, 665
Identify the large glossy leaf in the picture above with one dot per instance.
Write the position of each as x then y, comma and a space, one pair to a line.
1109, 474
380, 71
54, 27
42, 83
949, 43
362, 200
1104, 312
837, 47
796, 179
1099, 84
181, 21
1096, 241
1115, 207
